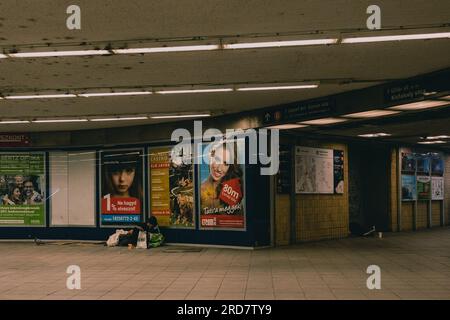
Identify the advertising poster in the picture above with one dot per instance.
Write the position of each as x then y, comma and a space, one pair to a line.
409, 191
22, 188
122, 186
314, 170
338, 160
437, 166
222, 185
423, 187
423, 164
408, 162
171, 188
437, 188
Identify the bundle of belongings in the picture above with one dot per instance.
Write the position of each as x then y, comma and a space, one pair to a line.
142, 236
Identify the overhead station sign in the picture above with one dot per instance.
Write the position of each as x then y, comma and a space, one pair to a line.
14, 140
299, 111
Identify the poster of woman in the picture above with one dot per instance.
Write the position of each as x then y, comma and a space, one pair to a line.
222, 185
121, 186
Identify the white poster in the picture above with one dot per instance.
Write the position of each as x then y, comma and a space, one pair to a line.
437, 188
313, 170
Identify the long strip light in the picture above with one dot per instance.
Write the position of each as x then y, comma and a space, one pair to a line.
181, 116
420, 36
59, 53
287, 126
119, 119
426, 104
110, 94
371, 114
244, 45
323, 121
14, 121
195, 91
374, 135
59, 120
167, 49
272, 44
304, 86
41, 96
438, 137
432, 142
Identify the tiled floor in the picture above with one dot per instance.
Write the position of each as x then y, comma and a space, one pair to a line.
413, 266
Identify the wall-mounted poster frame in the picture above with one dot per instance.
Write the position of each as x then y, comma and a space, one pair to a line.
128, 206
314, 170
409, 187
408, 162
222, 209
437, 188
171, 187
25, 176
423, 187
428, 171
338, 171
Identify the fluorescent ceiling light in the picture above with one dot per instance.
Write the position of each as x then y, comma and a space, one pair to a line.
438, 137
59, 120
14, 121
195, 91
374, 135
303, 86
420, 105
120, 119
59, 53
287, 126
181, 116
371, 114
168, 49
108, 94
271, 44
3, 56
323, 121
421, 36
431, 142
41, 96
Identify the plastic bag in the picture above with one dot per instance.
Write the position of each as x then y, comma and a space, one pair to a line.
142, 240
156, 239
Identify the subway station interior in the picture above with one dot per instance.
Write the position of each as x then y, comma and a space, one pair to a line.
350, 101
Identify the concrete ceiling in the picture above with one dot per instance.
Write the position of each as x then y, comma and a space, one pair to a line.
32, 25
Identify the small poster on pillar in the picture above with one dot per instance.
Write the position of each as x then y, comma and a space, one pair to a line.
222, 199
122, 186
172, 187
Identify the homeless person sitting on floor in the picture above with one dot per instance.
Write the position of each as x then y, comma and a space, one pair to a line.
154, 237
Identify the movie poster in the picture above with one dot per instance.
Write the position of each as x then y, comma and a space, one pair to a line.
423, 164
22, 189
437, 165
122, 187
171, 187
423, 187
409, 191
222, 185
437, 188
408, 162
